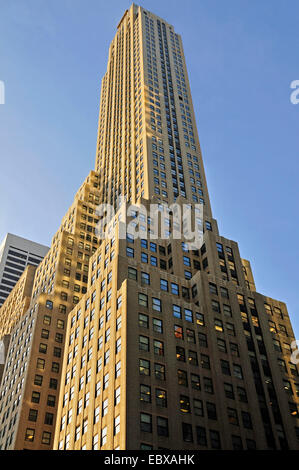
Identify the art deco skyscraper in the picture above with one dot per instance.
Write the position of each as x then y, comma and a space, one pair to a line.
165, 347
171, 348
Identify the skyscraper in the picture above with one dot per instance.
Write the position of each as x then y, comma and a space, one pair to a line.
142, 342
15, 254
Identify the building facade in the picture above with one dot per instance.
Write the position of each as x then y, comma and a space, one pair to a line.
15, 254
141, 342
171, 348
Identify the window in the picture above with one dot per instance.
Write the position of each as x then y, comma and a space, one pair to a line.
43, 348
180, 354
143, 343
195, 382
185, 404
164, 285
237, 443
157, 325
132, 273
47, 320
51, 400
233, 416
215, 306
198, 407
55, 367
144, 367
159, 371
205, 361
104, 436
130, 252
49, 419
246, 418
145, 422
158, 347
287, 387
153, 247
202, 340
192, 358
176, 311
156, 304
187, 432
174, 289
208, 385
182, 378
45, 334
118, 345
225, 367
161, 398
215, 439
29, 434
32, 416
46, 438
200, 320
35, 397
178, 332
117, 396
162, 426
211, 411
238, 371
230, 329
40, 363
143, 320
221, 345
145, 279
143, 300
201, 436
188, 315
60, 324
213, 288
145, 393
241, 392
144, 257
229, 391
105, 407
143, 243
154, 261
224, 292
116, 425
227, 310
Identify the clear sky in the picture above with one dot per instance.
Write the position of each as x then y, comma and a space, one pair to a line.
241, 56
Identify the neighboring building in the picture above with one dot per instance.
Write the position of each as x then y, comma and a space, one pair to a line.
31, 377
15, 254
14, 308
141, 343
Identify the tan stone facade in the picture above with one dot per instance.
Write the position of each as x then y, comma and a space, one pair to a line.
31, 378
154, 360
143, 343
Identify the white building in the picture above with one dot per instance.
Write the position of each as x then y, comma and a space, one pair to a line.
15, 254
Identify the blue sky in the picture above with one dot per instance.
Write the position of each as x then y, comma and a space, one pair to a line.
241, 56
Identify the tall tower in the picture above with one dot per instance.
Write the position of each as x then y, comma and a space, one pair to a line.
169, 348
144, 343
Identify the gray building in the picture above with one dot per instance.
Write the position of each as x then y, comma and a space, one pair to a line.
15, 254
